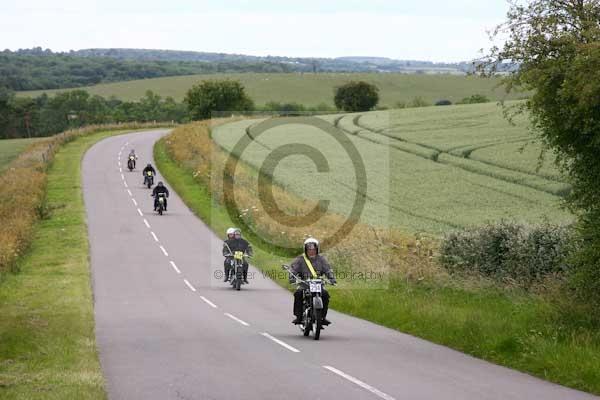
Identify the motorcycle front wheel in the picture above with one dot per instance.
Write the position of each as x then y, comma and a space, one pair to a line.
318, 323
306, 326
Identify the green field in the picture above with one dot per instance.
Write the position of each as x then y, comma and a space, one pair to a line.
310, 89
428, 169
10, 149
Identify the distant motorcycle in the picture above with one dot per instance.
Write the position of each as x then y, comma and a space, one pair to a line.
237, 268
149, 179
312, 304
161, 203
131, 163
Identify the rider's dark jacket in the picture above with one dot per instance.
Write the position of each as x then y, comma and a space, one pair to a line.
236, 245
319, 263
160, 189
149, 168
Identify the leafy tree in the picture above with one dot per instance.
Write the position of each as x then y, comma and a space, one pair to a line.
211, 96
556, 44
356, 96
6, 110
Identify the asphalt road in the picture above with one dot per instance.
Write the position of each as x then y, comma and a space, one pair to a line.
168, 328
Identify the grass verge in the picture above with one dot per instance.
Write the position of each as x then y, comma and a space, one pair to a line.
47, 339
513, 329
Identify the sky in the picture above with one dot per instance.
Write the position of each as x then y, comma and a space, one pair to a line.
431, 30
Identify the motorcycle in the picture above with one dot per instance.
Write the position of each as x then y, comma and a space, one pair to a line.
131, 163
149, 179
161, 203
236, 270
312, 304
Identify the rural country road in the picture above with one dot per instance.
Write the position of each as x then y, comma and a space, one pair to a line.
167, 328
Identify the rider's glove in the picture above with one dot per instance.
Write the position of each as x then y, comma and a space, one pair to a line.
332, 281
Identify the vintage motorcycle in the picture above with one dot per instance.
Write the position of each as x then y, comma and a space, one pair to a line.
149, 179
312, 304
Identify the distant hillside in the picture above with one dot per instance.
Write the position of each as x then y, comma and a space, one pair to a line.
298, 64
39, 69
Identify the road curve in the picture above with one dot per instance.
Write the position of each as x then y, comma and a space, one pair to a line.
167, 328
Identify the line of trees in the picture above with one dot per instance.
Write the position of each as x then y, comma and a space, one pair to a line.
39, 69
44, 115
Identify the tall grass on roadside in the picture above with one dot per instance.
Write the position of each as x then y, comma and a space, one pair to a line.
23, 190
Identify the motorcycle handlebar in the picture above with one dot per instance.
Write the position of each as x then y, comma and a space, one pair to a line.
298, 279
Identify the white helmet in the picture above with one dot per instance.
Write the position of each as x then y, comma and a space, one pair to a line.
311, 241
237, 230
230, 231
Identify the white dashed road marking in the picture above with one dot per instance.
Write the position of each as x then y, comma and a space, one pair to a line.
193, 289
175, 267
280, 342
360, 383
207, 301
237, 319
164, 251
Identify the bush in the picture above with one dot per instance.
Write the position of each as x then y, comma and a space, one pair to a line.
216, 96
474, 99
356, 96
443, 102
418, 102
510, 251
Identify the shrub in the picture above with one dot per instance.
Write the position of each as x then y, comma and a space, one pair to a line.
356, 96
418, 102
474, 99
510, 251
443, 102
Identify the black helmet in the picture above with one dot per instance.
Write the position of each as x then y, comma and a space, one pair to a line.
160, 183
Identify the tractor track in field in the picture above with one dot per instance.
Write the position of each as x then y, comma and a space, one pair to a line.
436, 153
248, 132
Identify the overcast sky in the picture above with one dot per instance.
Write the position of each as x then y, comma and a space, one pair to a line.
435, 30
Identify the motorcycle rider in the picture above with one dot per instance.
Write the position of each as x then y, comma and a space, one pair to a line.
311, 265
227, 262
160, 188
135, 157
149, 168
230, 246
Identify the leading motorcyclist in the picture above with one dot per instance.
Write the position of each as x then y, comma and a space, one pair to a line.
160, 188
306, 266
233, 243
